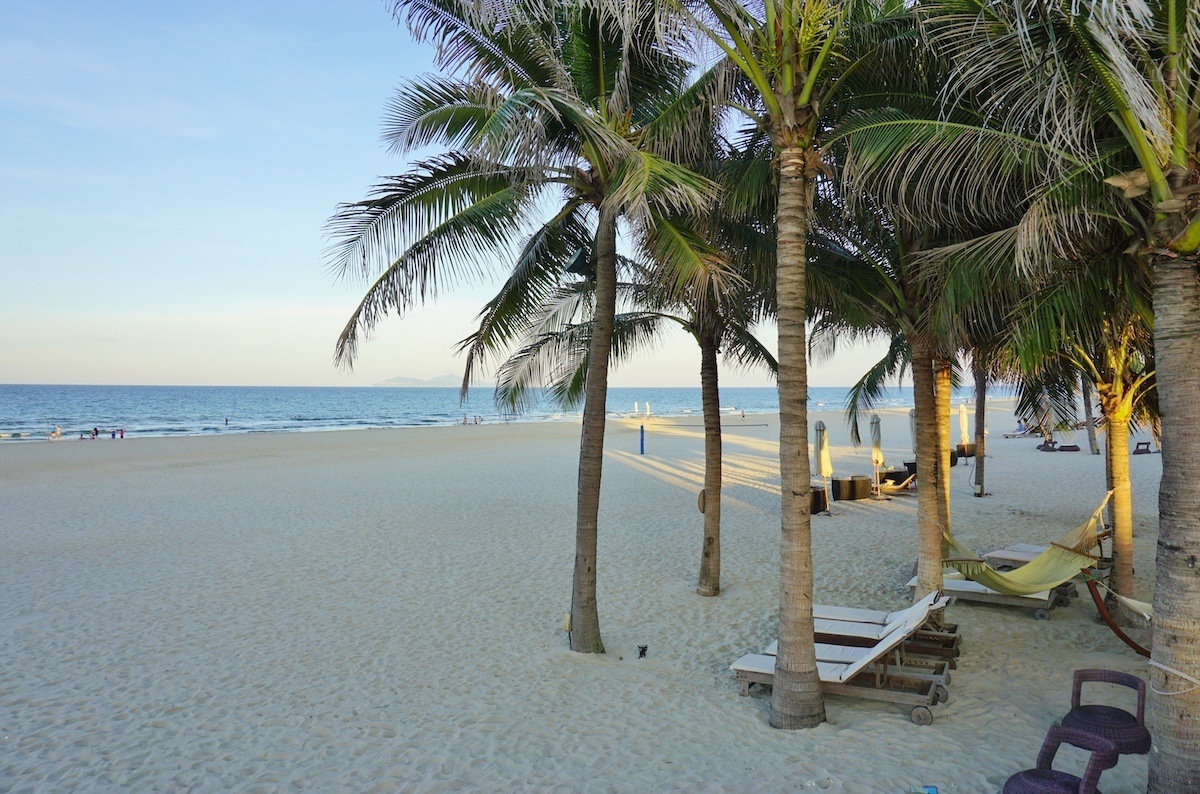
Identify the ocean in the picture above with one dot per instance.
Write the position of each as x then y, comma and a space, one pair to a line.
30, 412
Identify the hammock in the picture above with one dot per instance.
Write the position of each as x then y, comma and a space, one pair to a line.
1058, 564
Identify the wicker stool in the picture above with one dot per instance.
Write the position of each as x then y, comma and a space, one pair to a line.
1044, 780
1123, 729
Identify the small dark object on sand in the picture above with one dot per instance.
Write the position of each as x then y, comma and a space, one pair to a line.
642, 651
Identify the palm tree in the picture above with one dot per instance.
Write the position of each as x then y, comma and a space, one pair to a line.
554, 110
1118, 85
793, 55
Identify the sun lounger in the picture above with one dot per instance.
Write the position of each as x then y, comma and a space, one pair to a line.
954, 584
1013, 556
871, 677
890, 487
1141, 448
933, 637
938, 640
855, 615
914, 667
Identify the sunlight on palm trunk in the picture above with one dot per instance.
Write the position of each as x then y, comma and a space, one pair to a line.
942, 388
1116, 445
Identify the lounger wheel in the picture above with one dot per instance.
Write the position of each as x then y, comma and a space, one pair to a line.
943, 694
921, 715
1041, 614
1062, 600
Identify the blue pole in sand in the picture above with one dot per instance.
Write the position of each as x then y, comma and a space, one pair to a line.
643, 441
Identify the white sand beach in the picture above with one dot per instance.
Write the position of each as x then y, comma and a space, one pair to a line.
380, 610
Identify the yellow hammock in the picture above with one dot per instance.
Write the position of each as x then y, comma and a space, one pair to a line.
1056, 565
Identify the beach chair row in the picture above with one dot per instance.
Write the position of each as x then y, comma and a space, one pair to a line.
902, 657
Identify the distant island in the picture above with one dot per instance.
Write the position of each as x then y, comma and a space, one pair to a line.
441, 381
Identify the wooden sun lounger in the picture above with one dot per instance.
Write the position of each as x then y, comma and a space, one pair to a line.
870, 677
864, 627
915, 667
965, 590
855, 615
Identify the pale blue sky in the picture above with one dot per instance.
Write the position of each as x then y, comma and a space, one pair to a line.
165, 173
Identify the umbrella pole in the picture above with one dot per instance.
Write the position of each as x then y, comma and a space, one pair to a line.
878, 491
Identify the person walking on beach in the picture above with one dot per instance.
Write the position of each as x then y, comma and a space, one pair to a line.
122, 432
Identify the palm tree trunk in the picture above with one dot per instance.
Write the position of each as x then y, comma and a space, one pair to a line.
1117, 448
1088, 418
979, 366
929, 531
1172, 719
796, 700
942, 389
585, 616
710, 555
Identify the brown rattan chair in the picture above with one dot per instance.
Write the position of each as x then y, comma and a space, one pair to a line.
1045, 780
1127, 731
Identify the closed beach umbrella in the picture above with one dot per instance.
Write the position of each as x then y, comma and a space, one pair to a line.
876, 454
962, 424
876, 442
823, 463
912, 428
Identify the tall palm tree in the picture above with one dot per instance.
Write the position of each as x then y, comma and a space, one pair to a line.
793, 55
562, 111
1118, 84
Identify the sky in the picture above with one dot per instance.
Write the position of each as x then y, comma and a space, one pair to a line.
166, 172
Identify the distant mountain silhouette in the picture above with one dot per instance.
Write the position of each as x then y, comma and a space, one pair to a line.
441, 381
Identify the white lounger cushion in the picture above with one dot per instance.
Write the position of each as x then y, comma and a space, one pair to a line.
828, 652
852, 615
